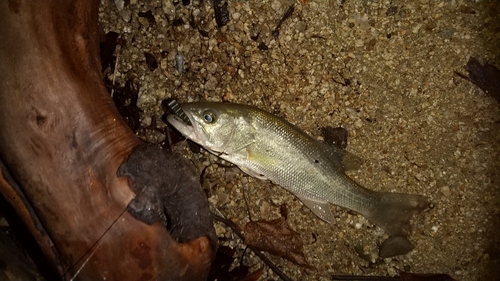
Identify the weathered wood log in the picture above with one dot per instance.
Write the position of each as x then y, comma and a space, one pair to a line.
62, 142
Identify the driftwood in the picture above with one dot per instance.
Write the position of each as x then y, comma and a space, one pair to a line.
62, 142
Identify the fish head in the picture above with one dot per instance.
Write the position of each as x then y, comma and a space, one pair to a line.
217, 127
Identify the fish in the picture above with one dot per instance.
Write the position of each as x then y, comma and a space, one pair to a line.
268, 147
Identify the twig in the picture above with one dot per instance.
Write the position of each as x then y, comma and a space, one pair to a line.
288, 13
114, 72
246, 203
362, 278
263, 257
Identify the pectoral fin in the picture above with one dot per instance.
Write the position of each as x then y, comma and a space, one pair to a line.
252, 173
320, 208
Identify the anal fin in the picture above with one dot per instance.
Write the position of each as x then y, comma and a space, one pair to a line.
320, 208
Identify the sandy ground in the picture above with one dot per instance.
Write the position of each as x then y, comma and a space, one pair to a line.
420, 128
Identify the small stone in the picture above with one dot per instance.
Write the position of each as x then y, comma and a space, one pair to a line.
163, 64
211, 83
391, 11
395, 246
446, 190
212, 43
125, 14
168, 8
362, 253
236, 16
358, 123
143, 21
120, 4
146, 121
416, 28
276, 6
212, 67
246, 7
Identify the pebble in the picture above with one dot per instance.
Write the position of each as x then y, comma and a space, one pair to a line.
168, 8
125, 14
358, 123
236, 16
211, 83
446, 190
416, 28
395, 246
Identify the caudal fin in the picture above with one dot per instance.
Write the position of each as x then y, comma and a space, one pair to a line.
396, 210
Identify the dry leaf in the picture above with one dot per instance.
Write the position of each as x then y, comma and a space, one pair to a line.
486, 77
276, 237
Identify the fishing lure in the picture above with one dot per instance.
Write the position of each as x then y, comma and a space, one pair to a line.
176, 109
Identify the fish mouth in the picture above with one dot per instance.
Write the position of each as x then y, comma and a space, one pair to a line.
191, 130
186, 129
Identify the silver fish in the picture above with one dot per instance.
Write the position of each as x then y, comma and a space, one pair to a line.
268, 147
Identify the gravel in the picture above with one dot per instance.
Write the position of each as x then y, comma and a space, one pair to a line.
384, 70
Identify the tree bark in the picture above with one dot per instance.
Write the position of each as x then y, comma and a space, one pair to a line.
62, 142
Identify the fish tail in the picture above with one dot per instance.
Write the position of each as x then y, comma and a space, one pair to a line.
395, 211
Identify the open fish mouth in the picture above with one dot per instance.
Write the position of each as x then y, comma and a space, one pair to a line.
185, 128
183, 121
178, 122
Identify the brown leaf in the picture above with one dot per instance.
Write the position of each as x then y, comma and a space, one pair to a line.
335, 136
276, 237
486, 77
125, 99
221, 12
151, 61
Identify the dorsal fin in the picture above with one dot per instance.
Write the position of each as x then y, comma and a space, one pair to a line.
341, 158
336, 140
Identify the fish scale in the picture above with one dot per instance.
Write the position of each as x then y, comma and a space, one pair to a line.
312, 180
268, 147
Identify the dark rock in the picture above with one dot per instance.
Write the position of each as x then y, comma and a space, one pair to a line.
395, 246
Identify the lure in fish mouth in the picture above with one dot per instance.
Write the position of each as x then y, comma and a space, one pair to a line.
268, 147
190, 131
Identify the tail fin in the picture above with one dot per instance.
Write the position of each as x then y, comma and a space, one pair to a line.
396, 210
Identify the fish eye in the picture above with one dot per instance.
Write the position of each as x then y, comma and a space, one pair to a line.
208, 116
